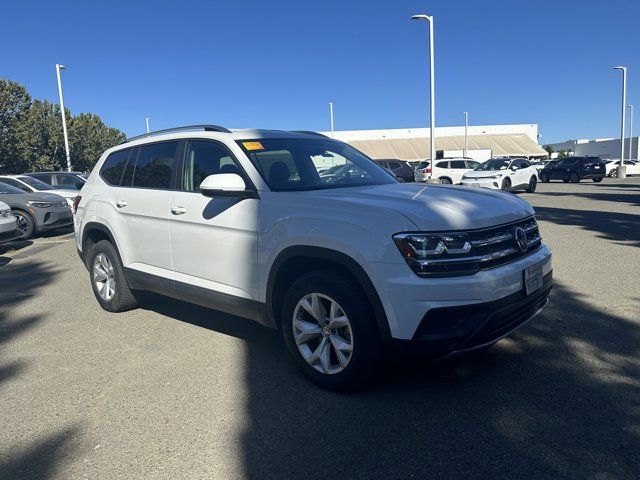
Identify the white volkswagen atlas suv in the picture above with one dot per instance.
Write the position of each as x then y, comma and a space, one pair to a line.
507, 174
349, 266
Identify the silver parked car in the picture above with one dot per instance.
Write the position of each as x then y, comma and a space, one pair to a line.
36, 212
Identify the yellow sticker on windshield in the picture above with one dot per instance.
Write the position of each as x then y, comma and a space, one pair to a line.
253, 146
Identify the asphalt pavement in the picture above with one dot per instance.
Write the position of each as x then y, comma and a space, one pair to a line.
175, 391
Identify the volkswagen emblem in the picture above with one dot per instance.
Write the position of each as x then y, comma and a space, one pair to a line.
521, 239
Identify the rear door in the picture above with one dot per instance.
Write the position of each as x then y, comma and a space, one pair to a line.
213, 240
142, 206
457, 168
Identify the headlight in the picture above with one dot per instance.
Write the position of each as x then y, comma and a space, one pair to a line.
44, 204
423, 251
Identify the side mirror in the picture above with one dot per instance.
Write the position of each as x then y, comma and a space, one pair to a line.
226, 185
514, 168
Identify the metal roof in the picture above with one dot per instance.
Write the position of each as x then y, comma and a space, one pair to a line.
418, 148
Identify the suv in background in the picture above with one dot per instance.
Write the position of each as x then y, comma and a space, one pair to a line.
399, 168
348, 266
451, 170
574, 169
62, 180
422, 171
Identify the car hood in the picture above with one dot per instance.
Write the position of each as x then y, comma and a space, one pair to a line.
64, 193
437, 207
15, 199
484, 173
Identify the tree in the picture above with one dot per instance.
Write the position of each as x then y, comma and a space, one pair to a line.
14, 106
31, 136
548, 149
89, 137
562, 154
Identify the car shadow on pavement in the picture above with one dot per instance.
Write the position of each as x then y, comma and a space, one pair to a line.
558, 398
619, 227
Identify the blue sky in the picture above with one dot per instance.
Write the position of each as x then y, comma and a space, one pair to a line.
276, 64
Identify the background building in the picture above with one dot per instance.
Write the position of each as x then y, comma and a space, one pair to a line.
598, 147
483, 141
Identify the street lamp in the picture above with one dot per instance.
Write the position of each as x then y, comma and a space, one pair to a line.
630, 107
331, 117
432, 115
466, 127
622, 171
64, 120
147, 119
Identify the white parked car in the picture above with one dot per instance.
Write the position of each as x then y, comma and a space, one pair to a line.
30, 185
503, 174
422, 171
347, 266
8, 224
451, 170
632, 167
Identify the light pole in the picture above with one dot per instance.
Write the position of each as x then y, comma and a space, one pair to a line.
622, 173
148, 130
64, 119
630, 107
466, 127
331, 117
432, 108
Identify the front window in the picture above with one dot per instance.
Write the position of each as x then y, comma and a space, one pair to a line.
4, 188
494, 164
35, 183
288, 164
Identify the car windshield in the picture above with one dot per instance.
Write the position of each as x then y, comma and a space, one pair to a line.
493, 164
4, 188
35, 183
421, 165
293, 164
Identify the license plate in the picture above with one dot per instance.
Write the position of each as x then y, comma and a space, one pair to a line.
597, 167
475, 184
533, 278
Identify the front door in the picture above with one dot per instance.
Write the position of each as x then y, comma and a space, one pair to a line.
213, 240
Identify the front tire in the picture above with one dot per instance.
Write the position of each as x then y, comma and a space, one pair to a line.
533, 183
506, 185
597, 180
26, 224
574, 177
328, 329
108, 282
544, 178
445, 181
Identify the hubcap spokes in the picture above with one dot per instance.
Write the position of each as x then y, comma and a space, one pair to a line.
23, 226
103, 277
322, 333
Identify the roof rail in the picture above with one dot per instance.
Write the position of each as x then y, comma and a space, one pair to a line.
309, 132
206, 128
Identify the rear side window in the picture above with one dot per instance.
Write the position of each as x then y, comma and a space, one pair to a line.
155, 165
113, 167
395, 165
442, 165
458, 164
43, 177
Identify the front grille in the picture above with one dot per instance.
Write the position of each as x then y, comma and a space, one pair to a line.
10, 235
489, 248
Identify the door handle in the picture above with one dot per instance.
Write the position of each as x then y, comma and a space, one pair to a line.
178, 210
121, 204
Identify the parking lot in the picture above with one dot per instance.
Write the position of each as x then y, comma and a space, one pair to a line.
173, 391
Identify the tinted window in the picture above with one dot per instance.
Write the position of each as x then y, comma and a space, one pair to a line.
43, 177
394, 165
113, 166
472, 164
35, 183
15, 183
458, 164
525, 164
70, 182
442, 165
203, 159
155, 165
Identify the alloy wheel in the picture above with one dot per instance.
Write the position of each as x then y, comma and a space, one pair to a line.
23, 225
104, 277
322, 333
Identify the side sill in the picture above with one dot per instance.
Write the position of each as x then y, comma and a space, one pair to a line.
222, 302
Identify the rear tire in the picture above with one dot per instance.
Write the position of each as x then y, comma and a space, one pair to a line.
108, 282
26, 224
574, 177
533, 183
597, 180
351, 353
544, 178
506, 185
445, 181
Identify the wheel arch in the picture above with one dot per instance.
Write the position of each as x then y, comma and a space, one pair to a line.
296, 260
92, 233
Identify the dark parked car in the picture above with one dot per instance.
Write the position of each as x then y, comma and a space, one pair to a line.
36, 212
574, 169
61, 180
400, 169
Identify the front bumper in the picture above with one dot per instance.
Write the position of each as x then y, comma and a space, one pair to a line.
493, 183
448, 331
55, 218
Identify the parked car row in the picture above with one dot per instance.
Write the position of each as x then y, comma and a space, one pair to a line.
37, 206
574, 169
